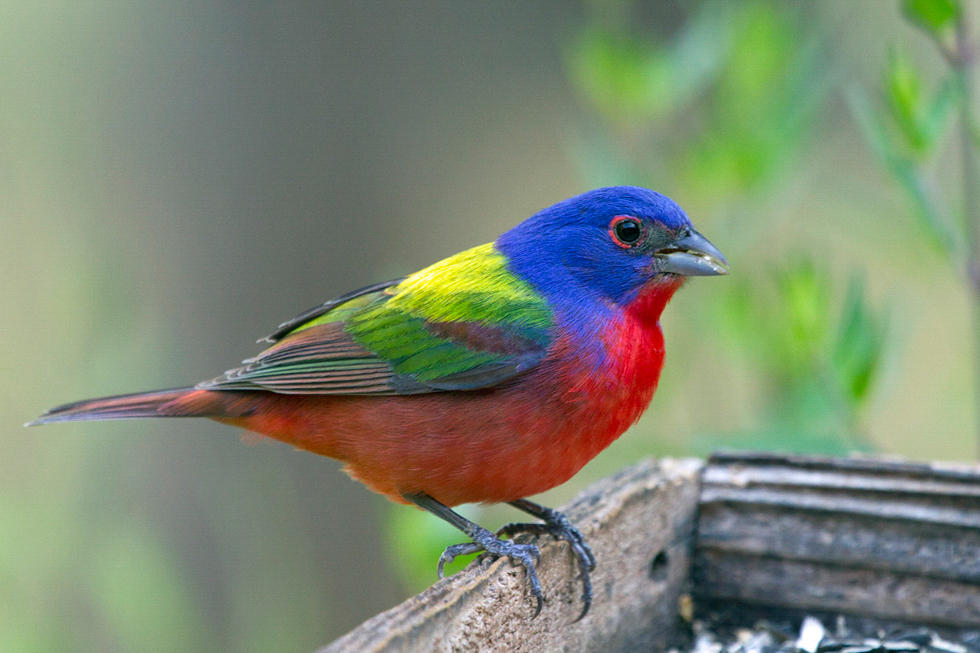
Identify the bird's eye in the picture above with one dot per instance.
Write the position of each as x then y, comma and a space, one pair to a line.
625, 231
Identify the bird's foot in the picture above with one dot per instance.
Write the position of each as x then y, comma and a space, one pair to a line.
526, 555
558, 526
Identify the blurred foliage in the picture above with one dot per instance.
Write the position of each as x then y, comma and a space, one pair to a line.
905, 125
935, 16
905, 128
939, 19
819, 355
904, 134
738, 85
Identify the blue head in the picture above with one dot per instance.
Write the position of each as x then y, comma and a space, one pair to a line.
608, 244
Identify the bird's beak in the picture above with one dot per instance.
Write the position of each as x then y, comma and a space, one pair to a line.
692, 255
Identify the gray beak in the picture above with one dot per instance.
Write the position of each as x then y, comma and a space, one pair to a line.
692, 255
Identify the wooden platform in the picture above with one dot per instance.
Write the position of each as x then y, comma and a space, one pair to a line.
742, 533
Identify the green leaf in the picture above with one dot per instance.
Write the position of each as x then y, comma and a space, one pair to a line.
933, 16
859, 345
903, 94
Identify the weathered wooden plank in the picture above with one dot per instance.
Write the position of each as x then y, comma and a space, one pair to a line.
866, 537
639, 523
815, 585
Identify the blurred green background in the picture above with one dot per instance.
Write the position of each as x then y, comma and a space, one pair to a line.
176, 178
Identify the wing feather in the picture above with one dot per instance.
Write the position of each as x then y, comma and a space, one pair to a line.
315, 312
407, 336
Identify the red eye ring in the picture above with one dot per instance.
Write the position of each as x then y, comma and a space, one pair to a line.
626, 231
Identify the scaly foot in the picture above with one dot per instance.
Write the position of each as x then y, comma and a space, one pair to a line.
558, 526
527, 555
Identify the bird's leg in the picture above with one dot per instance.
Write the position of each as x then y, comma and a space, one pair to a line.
557, 525
527, 555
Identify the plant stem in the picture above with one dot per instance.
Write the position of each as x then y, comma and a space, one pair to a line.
964, 63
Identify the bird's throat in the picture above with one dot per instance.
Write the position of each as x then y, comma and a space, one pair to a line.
650, 302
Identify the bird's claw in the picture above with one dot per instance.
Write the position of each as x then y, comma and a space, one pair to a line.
526, 555
558, 526
452, 552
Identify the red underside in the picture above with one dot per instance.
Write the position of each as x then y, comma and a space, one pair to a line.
494, 445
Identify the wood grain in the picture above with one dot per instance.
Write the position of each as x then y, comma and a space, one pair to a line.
639, 523
866, 537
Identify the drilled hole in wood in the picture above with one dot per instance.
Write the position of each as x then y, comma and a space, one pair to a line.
658, 568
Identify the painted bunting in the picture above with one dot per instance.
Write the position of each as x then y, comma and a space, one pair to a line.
490, 376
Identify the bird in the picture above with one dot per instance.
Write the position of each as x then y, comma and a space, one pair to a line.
490, 376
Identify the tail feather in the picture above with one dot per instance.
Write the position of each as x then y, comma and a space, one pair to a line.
140, 404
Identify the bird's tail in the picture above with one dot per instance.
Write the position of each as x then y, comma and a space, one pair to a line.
178, 402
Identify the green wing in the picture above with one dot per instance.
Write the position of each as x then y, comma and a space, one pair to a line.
462, 324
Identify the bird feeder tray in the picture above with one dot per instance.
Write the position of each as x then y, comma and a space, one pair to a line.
743, 539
